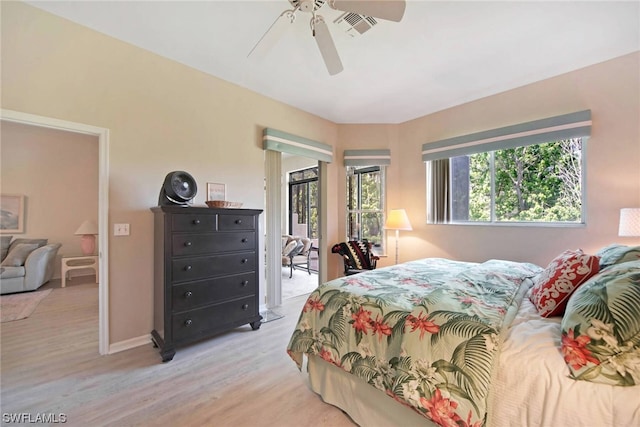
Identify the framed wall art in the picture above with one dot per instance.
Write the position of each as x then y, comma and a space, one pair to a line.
11, 213
216, 191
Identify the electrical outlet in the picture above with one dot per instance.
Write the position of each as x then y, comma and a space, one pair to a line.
120, 229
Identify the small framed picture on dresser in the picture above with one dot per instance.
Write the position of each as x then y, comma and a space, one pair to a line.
216, 191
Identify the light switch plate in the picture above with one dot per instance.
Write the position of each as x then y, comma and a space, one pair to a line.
120, 229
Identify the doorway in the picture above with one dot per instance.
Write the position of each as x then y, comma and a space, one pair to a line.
274, 214
300, 273
102, 135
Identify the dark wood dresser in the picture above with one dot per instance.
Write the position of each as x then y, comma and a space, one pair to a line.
205, 273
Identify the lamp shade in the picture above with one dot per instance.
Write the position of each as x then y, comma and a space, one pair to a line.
398, 220
629, 222
87, 227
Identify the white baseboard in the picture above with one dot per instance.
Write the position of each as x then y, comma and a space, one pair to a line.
130, 343
145, 339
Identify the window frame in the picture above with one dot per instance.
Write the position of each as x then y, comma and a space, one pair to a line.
359, 170
306, 182
496, 223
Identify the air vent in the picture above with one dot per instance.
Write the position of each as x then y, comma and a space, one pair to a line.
355, 24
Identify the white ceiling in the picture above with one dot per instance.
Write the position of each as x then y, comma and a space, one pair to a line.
440, 55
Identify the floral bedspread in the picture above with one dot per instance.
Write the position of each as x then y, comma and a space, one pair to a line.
425, 332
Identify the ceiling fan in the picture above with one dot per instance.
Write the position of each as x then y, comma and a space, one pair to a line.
391, 10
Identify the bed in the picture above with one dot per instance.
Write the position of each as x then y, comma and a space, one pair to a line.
443, 342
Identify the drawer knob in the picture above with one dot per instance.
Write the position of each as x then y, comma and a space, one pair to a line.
187, 244
245, 306
244, 240
245, 282
245, 260
196, 221
187, 267
238, 221
188, 322
188, 294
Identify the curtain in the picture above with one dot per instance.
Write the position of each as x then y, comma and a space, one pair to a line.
440, 195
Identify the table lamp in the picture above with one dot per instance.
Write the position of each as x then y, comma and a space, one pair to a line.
88, 230
629, 222
397, 220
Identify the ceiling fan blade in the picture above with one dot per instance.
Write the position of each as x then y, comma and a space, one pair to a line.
272, 35
391, 10
327, 47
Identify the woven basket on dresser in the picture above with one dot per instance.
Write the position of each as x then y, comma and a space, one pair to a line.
223, 204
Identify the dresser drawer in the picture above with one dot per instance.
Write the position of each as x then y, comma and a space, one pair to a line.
198, 244
194, 222
191, 324
195, 294
216, 265
236, 222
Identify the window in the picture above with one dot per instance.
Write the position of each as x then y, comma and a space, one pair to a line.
303, 203
365, 204
536, 183
530, 172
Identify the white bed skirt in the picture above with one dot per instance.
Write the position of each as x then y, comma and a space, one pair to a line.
366, 405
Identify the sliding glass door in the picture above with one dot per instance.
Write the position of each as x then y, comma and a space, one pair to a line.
303, 203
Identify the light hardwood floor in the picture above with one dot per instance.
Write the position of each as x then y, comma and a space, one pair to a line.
50, 365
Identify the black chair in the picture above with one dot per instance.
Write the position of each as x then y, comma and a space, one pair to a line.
357, 256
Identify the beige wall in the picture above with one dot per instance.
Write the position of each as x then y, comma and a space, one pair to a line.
163, 116
57, 173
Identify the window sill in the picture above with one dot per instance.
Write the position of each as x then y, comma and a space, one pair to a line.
518, 224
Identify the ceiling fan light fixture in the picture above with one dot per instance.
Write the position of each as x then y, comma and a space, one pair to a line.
307, 5
392, 10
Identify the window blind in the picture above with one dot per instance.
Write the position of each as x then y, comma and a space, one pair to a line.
573, 125
283, 142
367, 157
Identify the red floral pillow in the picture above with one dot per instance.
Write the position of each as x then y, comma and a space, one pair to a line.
560, 279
